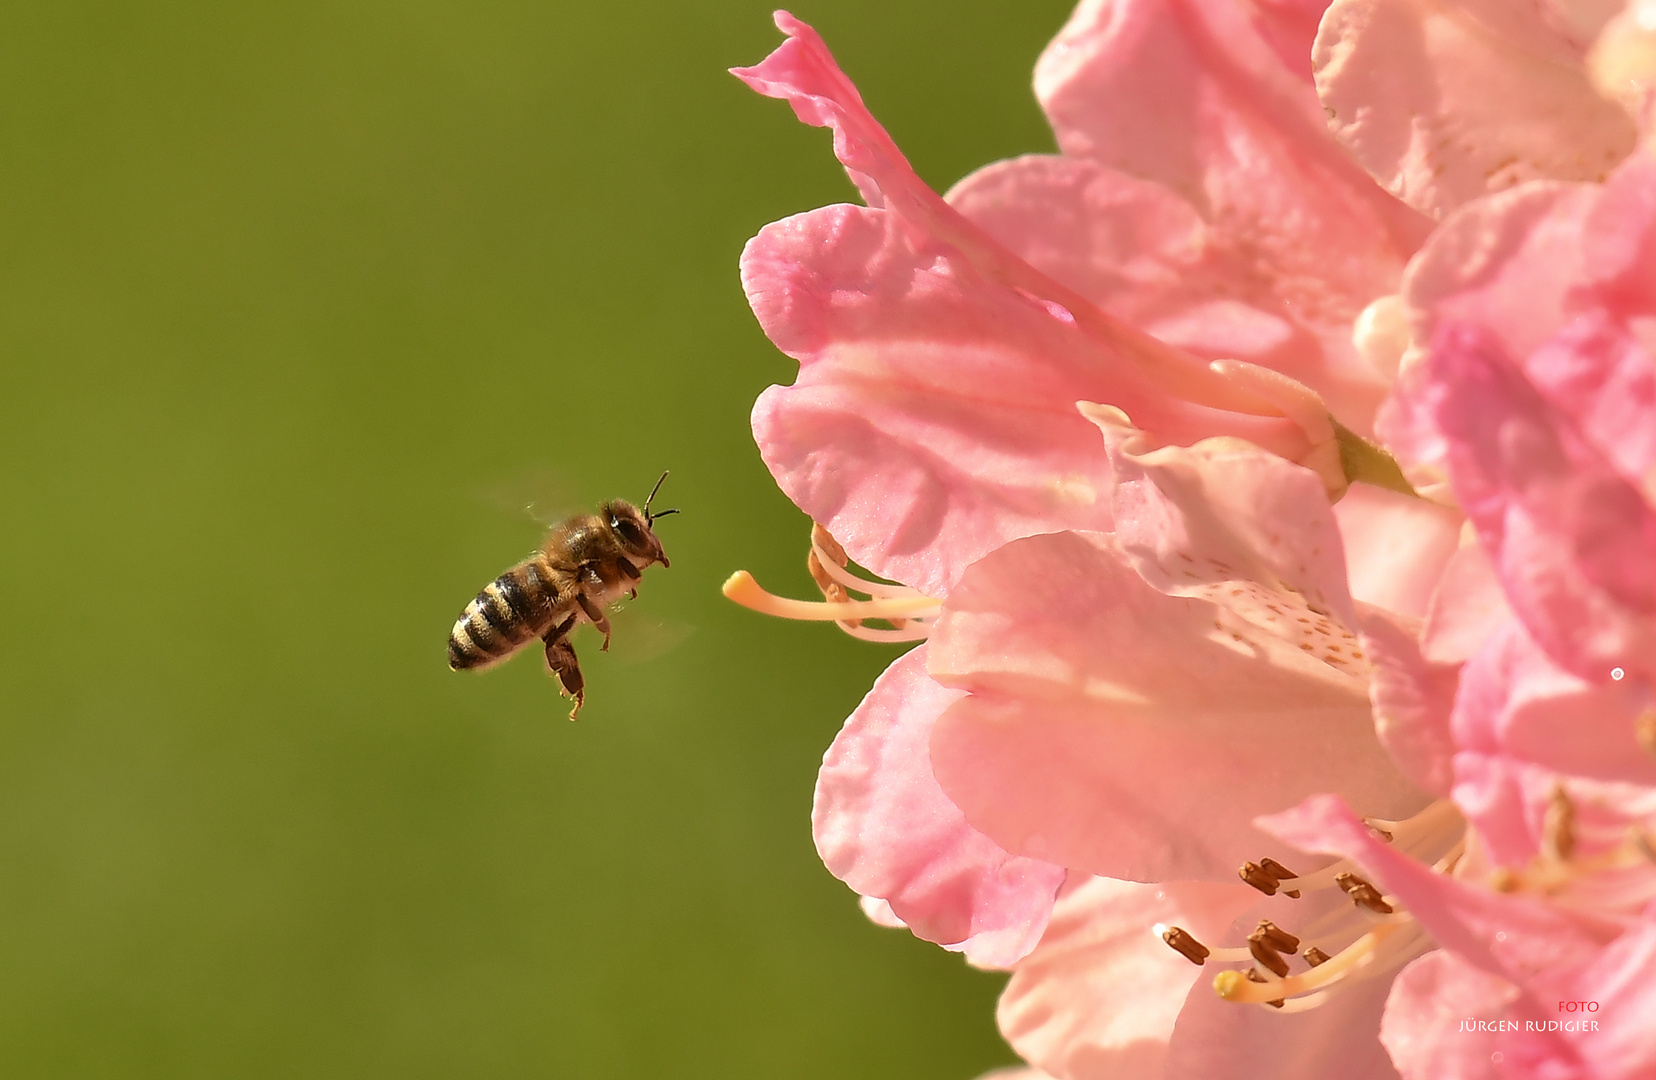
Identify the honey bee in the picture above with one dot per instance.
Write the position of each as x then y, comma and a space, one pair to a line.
586, 564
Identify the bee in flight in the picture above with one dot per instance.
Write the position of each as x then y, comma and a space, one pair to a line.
586, 564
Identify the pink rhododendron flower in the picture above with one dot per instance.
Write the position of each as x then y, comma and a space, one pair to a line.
1103, 418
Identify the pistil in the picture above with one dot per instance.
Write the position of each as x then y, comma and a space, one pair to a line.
908, 611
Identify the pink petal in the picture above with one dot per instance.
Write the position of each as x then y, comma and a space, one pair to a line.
1467, 609
885, 828
1619, 246
1223, 518
1116, 729
1098, 998
1623, 983
1443, 104
1435, 995
1515, 701
1140, 252
932, 417
1573, 542
1430, 1000
1396, 547
1412, 699
1210, 99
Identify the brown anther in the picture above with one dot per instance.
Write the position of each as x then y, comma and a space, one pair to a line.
1384, 834
1276, 869
1267, 956
832, 591
1315, 956
1258, 877
1503, 880
1362, 893
1558, 826
1185, 945
1280, 939
1255, 976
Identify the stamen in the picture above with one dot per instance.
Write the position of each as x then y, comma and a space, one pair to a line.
1281, 873
1267, 956
829, 557
1240, 987
1558, 827
1279, 938
1185, 945
1315, 956
1362, 893
1258, 877
742, 588
1266, 875
1255, 976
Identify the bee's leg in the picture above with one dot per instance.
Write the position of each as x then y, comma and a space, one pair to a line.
561, 661
629, 570
600, 621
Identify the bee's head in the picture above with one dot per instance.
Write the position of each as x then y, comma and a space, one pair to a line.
634, 527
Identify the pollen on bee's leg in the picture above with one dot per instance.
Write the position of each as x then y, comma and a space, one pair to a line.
1184, 944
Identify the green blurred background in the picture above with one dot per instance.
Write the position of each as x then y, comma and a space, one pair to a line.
300, 303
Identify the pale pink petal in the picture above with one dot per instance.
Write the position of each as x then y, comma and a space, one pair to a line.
1430, 1028
1413, 699
1140, 252
885, 828
1619, 256
1396, 547
1515, 701
1116, 729
1098, 997
1467, 609
1572, 541
932, 419
1509, 260
1222, 1040
1622, 981
1445, 103
1223, 520
1209, 98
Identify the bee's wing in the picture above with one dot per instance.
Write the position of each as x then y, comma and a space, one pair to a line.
538, 492
637, 636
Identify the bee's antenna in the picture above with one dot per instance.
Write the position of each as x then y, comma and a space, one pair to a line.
658, 515
651, 499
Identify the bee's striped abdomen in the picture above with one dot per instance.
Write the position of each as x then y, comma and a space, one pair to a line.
511, 611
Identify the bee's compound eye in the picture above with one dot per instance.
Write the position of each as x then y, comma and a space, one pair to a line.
630, 532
